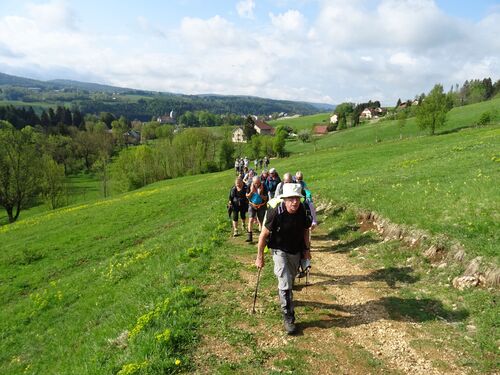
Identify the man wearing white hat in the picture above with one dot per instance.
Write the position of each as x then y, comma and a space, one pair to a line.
287, 228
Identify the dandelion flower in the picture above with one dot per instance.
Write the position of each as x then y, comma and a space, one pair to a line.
177, 362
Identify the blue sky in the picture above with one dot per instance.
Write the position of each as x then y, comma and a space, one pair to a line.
315, 50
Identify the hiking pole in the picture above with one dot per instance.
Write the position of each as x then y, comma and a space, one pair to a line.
256, 289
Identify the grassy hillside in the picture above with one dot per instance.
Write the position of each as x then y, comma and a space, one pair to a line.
85, 274
76, 281
303, 122
366, 134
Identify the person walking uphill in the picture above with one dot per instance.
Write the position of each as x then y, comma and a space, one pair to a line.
257, 198
239, 204
286, 226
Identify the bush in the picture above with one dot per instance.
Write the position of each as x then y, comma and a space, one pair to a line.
485, 119
304, 135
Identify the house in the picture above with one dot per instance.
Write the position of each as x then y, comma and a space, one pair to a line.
415, 102
334, 119
239, 136
263, 128
165, 119
132, 137
320, 129
368, 113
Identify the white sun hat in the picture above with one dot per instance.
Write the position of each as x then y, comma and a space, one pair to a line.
292, 190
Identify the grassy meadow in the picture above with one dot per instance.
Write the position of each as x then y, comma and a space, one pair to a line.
303, 122
115, 285
74, 280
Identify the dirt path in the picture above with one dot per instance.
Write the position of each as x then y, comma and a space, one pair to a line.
343, 320
360, 313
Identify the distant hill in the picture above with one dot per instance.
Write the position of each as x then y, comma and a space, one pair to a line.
142, 104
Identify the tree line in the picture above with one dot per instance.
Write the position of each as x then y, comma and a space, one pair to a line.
34, 162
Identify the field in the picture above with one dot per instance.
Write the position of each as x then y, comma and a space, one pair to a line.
303, 122
148, 282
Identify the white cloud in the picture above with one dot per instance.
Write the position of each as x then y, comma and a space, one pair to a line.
291, 21
245, 8
53, 15
356, 49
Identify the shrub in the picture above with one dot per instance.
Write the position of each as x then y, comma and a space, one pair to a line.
485, 119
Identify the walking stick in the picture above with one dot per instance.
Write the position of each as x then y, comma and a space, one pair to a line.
256, 289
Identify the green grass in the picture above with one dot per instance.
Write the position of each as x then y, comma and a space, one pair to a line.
303, 122
368, 133
84, 274
74, 279
80, 188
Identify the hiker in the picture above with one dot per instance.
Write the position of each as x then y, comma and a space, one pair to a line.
260, 163
256, 163
245, 162
299, 179
257, 198
287, 179
239, 204
287, 229
266, 162
272, 182
264, 175
247, 179
237, 166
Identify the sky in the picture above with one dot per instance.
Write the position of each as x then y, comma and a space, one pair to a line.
327, 51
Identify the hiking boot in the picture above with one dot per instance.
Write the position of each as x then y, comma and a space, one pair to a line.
290, 328
249, 237
235, 233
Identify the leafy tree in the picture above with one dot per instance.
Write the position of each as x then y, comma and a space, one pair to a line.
107, 118
304, 136
255, 146
60, 148
52, 182
226, 154
279, 145
342, 121
120, 127
248, 128
432, 113
19, 168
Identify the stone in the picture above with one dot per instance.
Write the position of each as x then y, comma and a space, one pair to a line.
465, 282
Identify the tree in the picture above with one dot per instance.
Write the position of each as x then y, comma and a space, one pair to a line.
19, 168
279, 145
304, 135
432, 113
120, 127
52, 182
44, 120
226, 151
255, 146
107, 118
248, 128
398, 103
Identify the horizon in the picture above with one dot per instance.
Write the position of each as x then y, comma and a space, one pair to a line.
299, 50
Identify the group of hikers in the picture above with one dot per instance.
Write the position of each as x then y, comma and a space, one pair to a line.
240, 164
284, 211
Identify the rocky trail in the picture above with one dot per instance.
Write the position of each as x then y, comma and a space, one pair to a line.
347, 318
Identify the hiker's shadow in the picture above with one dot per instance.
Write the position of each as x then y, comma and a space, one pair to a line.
391, 276
393, 308
347, 246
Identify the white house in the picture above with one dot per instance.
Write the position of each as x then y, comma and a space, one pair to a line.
334, 119
367, 113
